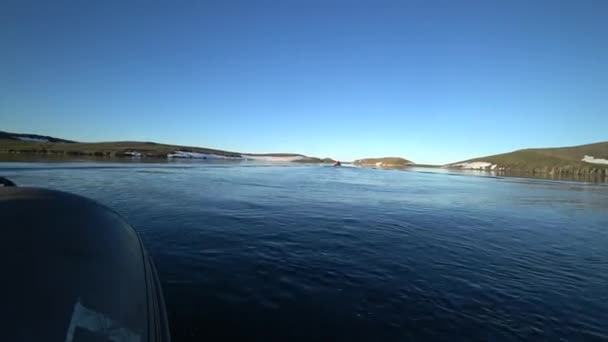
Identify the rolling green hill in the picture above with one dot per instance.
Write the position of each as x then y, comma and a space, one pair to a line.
575, 160
102, 149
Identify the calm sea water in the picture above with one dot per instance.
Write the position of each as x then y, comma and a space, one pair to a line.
319, 253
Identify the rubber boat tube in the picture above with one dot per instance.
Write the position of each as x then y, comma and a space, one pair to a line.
74, 270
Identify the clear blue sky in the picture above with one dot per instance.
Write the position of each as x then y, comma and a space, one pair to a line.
432, 81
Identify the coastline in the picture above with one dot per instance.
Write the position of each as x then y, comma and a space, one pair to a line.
54, 159
579, 163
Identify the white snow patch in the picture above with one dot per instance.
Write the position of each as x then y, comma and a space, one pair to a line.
32, 139
272, 159
133, 154
593, 160
196, 155
478, 165
247, 157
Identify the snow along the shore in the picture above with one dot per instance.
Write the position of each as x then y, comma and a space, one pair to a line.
244, 157
133, 154
272, 159
477, 165
593, 160
197, 155
32, 139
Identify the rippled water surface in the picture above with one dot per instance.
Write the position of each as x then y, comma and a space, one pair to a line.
319, 253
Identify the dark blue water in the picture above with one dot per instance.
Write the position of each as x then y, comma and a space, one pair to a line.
320, 253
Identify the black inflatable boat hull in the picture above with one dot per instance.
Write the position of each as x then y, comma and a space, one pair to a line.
74, 270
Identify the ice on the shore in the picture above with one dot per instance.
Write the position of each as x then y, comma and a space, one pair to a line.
244, 157
273, 159
133, 154
476, 165
32, 139
197, 155
593, 160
